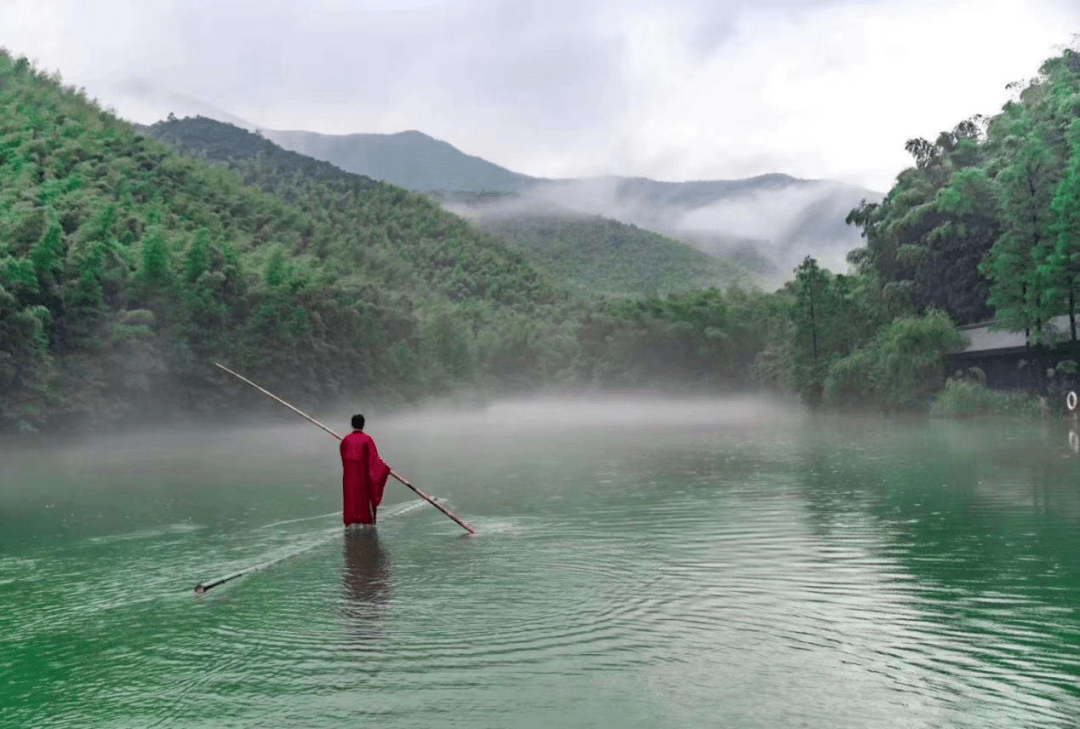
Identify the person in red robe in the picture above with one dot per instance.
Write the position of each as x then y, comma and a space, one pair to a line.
363, 475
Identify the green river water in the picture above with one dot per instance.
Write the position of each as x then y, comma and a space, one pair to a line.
639, 564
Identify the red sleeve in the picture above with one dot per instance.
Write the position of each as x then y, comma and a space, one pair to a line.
378, 471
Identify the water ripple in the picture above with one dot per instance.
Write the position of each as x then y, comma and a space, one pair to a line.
750, 585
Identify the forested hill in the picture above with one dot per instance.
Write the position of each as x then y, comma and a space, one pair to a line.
602, 256
772, 220
430, 249
224, 142
593, 254
126, 269
587, 253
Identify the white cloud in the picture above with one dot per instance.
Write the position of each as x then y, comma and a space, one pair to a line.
678, 90
824, 91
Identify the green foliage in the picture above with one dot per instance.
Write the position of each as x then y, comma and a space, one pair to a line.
812, 287
965, 399
47, 256
126, 269
910, 356
929, 235
900, 369
197, 258
698, 339
1025, 185
602, 256
155, 263
831, 314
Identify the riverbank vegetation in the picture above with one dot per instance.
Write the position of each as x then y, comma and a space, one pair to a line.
128, 265
985, 224
965, 398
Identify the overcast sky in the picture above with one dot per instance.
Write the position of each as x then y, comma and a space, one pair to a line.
680, 89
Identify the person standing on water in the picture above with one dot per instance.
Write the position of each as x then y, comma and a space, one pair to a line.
363, 475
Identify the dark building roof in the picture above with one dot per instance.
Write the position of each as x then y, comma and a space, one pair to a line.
984, 340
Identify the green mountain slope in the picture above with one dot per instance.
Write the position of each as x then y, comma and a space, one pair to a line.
588, 253
771, 221
444, 253
605, 256
594, 254
126, 269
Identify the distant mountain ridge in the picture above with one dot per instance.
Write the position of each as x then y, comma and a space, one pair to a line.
409, 159
774, 218
769, 222
419, 162
587, 254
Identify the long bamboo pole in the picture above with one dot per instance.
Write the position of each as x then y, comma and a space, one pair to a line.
312, 420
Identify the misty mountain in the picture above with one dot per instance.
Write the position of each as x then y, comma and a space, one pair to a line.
411, 159
592, 253
770, 222
582, 252
773, 220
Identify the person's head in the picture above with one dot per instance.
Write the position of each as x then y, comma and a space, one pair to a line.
358, 422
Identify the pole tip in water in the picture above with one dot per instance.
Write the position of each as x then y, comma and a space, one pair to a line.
199, 589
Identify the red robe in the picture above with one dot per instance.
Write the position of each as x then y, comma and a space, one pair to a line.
363, 478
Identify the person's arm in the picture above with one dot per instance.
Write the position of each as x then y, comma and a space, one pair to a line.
378, 472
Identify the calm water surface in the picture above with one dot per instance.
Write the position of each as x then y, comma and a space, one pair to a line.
639, 565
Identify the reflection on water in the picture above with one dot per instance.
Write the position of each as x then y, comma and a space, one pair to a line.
365, 579
974, 529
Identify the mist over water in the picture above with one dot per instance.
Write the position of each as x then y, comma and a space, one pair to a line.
641, 562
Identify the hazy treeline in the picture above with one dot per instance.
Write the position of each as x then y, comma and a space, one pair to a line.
127, 268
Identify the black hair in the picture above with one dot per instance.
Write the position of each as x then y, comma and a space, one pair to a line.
358, 422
